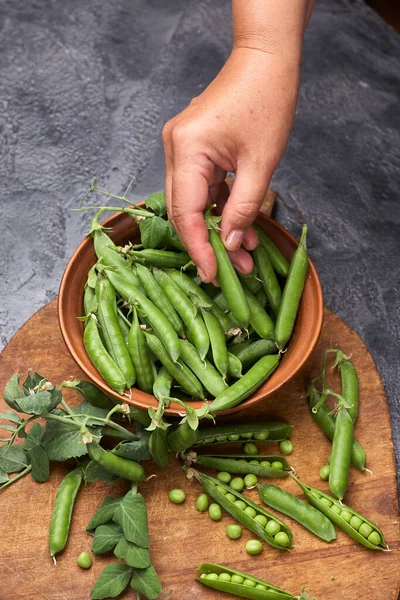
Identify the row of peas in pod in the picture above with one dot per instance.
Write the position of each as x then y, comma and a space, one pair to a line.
148, 315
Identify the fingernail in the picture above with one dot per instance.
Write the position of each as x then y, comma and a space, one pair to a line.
233, 240
201, 274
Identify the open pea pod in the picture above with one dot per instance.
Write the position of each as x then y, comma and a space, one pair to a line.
242, 464
358, 527
239, 583
273, 431
219, 492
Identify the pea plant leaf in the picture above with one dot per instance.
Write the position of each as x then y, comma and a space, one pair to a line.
106, 537
87, 409
10, 416
171, 238
105, 512
12, 459
113, 580
156, 202
132, 516
12, 391
96, 472
40, 463
146, 583
152, 232
36, 404
7, 427
137, 450
133, 555
62, 442
34, 437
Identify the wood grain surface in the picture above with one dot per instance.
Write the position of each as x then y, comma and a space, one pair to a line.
181, 537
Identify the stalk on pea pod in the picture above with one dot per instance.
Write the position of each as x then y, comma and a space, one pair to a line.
273, 431
242, 464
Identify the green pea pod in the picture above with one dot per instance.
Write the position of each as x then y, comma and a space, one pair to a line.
182, 437
259, 319
89, 300
249, 354
108, 369
127, 469
162, 384
62, 510
240, 464
158, 447
140, 357
204, 371
292, 292
229, 583
339, 514
268, 278
251, 281
278, 261
308, 516
244, 387
273, 431
263, 300
90, 393
349, 380
234, 366
217, 339
123, 325
341, 452
164, 259
219, 490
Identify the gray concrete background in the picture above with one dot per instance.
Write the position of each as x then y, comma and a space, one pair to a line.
85, 89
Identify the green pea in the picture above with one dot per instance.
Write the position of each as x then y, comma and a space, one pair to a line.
250, 481
240, 504
365, 530
265, 463
202, 503
336, 509
214, 510
250, 449
233, 531
84, 560
259, 586
224, 577
203, 576
282, 539
221, 490
224, 477
249, 583
261, 520
209, 440
177, 496
254, 462
374, 538
326, 501
237, 484
355, 522
213, 576
253, 547
261, 436
346, 515
277, 464
324, 472
230, 497
242, 461
221, 438
272, 527
237, 579
246, 436
286, 447
249, 510
234, 437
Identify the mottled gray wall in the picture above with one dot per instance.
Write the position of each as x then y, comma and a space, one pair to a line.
86, 86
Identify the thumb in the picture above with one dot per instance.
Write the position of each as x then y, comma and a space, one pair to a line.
242, 206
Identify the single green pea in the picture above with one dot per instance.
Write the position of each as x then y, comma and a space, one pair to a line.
237, 579
213, 576
336, 509
365, 530
233, 531
282, 539
374, 538
249, 583
221, 490
265, 463
214, 510
355, 522
243, 461
259, 586
84, 560
250, 481
261, 436
324, 472
240, 504
224, 577
253, 547
249, 510
237, 484
210, 440
286, 447
224, 476
250, 449
277, 464
272, 527
261, 520
203, 576
246, 436
177, 496
254, 462
346, 515
326, 501
202, 503
230, 497
221, 438
234, 437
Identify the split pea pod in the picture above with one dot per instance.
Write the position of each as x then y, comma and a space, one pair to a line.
229, 281
106, 366
164, 259
259, 318
308, 516
349, 380
156, 294
254, 517
358, 527
278, 261
62, 511
292, 292
140, 357
204, 371
187, 311
238, 583
219, 350
268, 278
241, 464
273, 431
112, 334
244, 387
249, 354
342, 445
177, 369
154, 316
123, 467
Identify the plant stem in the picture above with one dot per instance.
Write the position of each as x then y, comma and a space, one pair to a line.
14, 479
22, 426
127, 435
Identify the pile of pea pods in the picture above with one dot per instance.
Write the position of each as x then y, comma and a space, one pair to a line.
151, 323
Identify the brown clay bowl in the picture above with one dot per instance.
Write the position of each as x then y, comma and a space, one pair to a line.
70, 307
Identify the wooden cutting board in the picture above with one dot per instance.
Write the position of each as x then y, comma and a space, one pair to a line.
181, 537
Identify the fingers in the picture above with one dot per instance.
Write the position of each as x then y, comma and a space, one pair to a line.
250, 239
242, 261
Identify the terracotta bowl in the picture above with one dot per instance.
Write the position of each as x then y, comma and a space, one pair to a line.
70, 306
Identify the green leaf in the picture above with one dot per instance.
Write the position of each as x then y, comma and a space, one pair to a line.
137, 450
34, 437
40, 463
146, 582
106, 537
7, 427
61, 441
192, 418
12, 459
36, 404
10, 416
3, 476
96, 472
132, 516
104, 513
35, 384
171, 238
85, 408
156, 202
112, 581
132, 554
152, 231
12, 391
